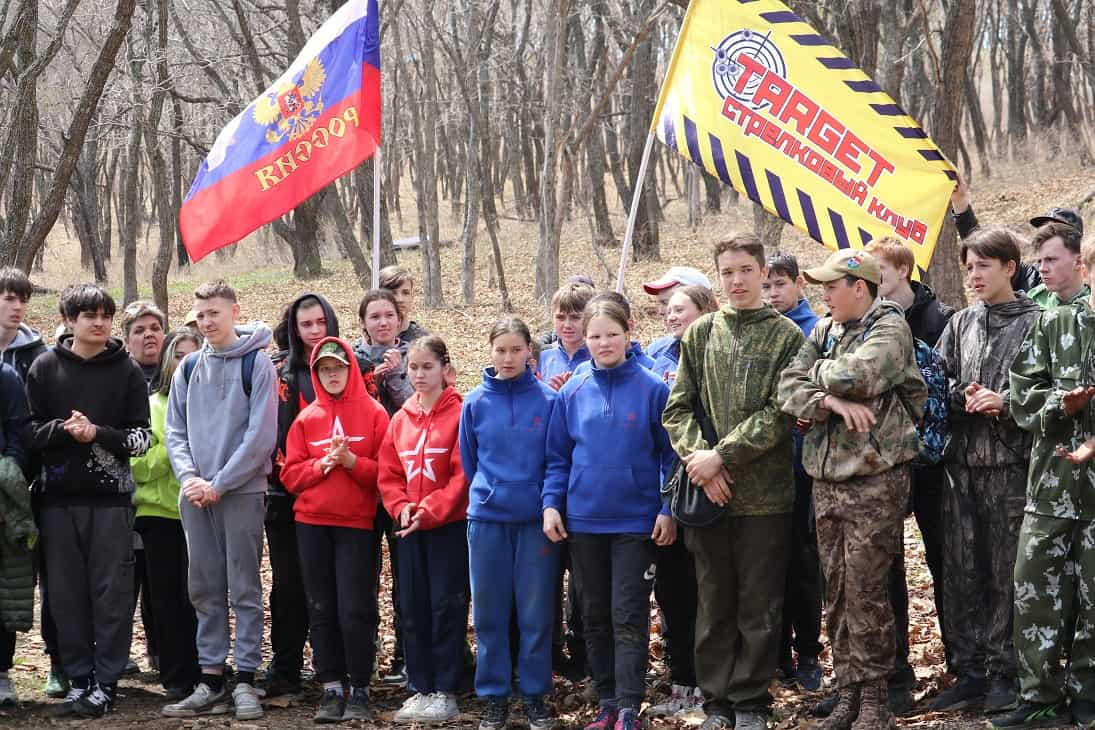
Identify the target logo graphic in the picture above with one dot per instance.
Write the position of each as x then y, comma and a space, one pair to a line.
726, 71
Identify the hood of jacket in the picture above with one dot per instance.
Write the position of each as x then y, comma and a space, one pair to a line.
1000, 315
449, 399
114, 351
804, 316
355, 386
28, 338
298, 353
927, 316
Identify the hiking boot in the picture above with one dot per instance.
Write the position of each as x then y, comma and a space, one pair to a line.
440, 708
97, 702
808, 674
1034, 714
749, 720
538, 715
963, 693
845, 711
358, 707
716, 722
246, 700
496, 714
899, 699
605, 720
7, 691
202, 701
75, 694
628, 719
673, 704
331, 707
1001, 696
412, 708
56, 684
874, 712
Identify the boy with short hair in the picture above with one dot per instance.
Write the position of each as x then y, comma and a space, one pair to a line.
558, 362
855, 384
88, 417
220, 435
802, 601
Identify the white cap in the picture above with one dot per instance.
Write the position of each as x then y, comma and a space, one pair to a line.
677, 276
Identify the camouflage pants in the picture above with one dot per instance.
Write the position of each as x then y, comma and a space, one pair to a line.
982, 512
859, 533
1055, 581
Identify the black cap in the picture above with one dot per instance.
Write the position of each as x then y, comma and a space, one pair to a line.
1060, 215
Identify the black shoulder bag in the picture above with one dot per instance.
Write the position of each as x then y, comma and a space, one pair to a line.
687, 500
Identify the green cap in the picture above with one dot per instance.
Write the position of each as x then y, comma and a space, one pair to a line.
846, 262
332, 350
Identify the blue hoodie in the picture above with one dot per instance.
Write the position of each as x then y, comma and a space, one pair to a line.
665, 365
503, 434
213, 430
607, 450
634, 350
555, 361
660, 345
803, 316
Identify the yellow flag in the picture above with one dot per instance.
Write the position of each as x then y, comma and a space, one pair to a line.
759, 99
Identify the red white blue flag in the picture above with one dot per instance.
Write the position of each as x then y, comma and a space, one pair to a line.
317, 122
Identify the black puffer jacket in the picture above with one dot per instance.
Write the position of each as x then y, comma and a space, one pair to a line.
927, 316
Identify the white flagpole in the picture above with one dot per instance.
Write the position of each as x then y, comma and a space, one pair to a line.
636, 199
376, 219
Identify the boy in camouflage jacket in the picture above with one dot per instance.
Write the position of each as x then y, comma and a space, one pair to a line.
856, 385
738, 353
1051, 386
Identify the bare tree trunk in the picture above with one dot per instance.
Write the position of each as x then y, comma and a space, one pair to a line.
131, 220
165, 211
555, 52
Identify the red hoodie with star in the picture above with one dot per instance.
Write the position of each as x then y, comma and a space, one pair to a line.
342, 497
420, 462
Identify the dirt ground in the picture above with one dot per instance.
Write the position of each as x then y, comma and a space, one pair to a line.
261, 271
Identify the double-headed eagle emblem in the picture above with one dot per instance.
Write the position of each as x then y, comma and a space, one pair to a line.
290, 109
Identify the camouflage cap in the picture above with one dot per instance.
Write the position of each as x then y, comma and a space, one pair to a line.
333, 351
846, 262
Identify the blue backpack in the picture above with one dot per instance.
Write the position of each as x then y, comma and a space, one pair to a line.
247, 367
934, 429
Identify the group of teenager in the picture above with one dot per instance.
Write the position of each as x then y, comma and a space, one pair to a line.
154, 465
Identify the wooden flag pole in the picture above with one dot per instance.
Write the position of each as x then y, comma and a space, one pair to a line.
376, 219
636, 199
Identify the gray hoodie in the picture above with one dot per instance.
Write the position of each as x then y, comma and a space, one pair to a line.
213, 430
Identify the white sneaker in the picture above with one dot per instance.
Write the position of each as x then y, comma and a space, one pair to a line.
202, 701
441, 708
7, 692
692, 701
673, 704
246, 700
412, 708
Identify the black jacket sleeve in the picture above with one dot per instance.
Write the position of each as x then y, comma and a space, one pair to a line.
132, 436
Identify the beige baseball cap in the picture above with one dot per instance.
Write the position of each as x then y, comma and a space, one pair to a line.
846, 262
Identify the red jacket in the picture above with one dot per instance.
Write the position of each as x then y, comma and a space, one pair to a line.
341, 498
420, 462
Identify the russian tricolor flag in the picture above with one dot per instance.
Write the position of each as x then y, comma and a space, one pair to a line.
317, 122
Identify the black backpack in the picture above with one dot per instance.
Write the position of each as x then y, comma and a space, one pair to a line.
247, 367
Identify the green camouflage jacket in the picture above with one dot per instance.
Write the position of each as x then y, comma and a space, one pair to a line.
1055, 358
978, 345
871, 361
742, 361
1045, 299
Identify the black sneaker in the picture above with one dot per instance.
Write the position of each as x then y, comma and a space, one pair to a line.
97, 702
899, 699
68, 707
396, 676
1083, 712
538, 715
278, 684
331, 707
496, 715
1001, 696
825, 707
1032, 714
963, 693
357, 707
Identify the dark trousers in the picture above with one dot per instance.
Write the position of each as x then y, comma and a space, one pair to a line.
675, 591
47, 626
615, 574
803, 593
7, 649
175, 628
385, 531
337, 565
928, 488
741, 570
288, 604
433, 593
89, 554
567, 631
140, 597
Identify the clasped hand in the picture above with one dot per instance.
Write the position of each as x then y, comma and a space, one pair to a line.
80, 428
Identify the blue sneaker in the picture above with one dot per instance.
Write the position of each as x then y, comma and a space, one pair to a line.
808, 674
